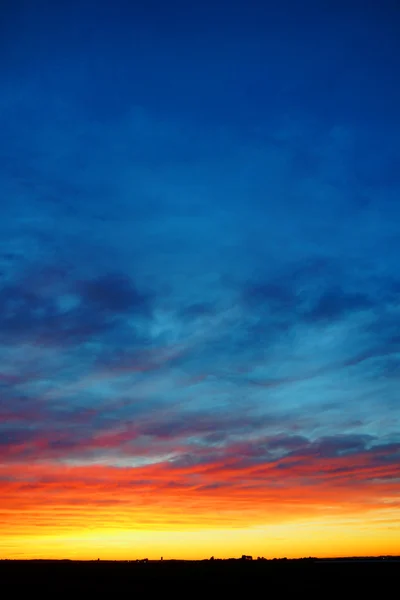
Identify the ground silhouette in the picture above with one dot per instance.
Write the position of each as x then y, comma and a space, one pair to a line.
261, 577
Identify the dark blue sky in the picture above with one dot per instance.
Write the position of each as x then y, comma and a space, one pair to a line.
200, 230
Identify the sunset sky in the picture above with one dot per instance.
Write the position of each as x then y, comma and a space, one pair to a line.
199, 278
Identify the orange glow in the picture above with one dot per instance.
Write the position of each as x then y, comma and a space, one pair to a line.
95, 511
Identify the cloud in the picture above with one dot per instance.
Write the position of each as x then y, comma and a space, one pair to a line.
53, 308
113, 293
208, 491
335, 303
117, 430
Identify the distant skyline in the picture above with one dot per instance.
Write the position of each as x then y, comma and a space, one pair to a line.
199, 279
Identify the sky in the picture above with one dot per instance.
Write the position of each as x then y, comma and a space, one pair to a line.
199, 279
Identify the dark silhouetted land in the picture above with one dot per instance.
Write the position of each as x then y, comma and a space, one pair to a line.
235, 577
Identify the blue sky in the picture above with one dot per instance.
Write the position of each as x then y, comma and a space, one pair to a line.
200, 232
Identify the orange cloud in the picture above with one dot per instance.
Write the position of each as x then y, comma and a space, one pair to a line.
162, 495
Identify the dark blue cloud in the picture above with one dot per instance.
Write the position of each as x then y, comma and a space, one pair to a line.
335, 303
48, 305
113, 293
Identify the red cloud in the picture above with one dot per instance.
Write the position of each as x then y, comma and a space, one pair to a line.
208, 493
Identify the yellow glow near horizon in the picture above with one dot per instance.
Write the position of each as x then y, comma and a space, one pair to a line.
96, 511
312, 538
